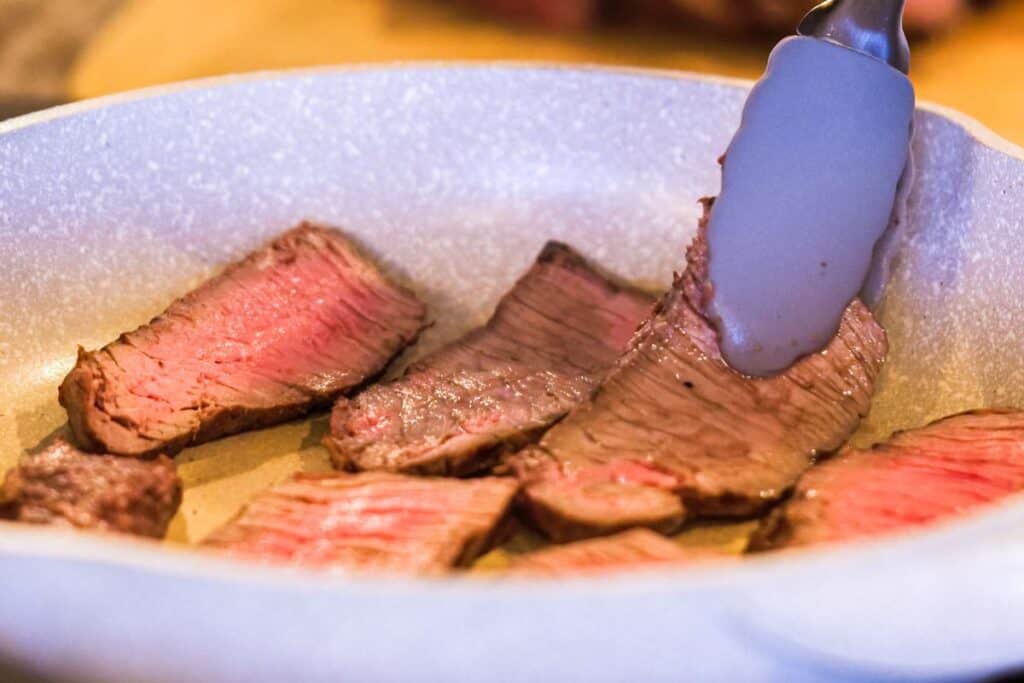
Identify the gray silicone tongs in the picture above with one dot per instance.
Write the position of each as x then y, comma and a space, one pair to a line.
809, 184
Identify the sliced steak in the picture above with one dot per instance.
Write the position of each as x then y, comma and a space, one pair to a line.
674, 433
374, 522
64, 486
285, 330
919, 477
553, 337
626, 551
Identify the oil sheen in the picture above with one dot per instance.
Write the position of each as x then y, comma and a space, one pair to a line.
808, 188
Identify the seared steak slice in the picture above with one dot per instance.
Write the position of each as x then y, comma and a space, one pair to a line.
285, 330
919, 477
372, 522
63, 486
674, 433
626, 551
553, 337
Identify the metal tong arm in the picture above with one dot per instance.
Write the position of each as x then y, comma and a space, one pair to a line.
873, 27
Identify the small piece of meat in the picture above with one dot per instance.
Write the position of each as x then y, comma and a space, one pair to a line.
623, 552
919, 477
281, 332
674, 433
553, 337
374, 522
63, 486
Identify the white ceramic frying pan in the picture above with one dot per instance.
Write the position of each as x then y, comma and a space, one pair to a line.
455, 176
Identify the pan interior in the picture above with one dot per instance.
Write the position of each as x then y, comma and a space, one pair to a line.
453, 178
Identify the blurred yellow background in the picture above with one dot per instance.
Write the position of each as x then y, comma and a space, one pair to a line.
977, 68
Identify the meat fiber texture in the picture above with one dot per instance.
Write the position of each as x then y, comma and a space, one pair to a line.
553, 337
65, 487
919, 477
283, 331
371, 523
634, 550
675, 434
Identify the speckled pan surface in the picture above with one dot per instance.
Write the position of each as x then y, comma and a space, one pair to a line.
455, 177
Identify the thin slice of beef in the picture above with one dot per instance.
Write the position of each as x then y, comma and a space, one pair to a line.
64, 486
374, 522
627, 551
674, 433
553, 337
919, 477
283, 331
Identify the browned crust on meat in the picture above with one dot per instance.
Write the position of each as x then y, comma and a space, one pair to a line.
63, 486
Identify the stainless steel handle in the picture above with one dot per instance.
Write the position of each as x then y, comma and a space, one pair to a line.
873, 27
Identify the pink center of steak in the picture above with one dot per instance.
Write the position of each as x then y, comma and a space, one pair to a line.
371, 522
288, 328
675, 433
63, 486
919, 477
553, 337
